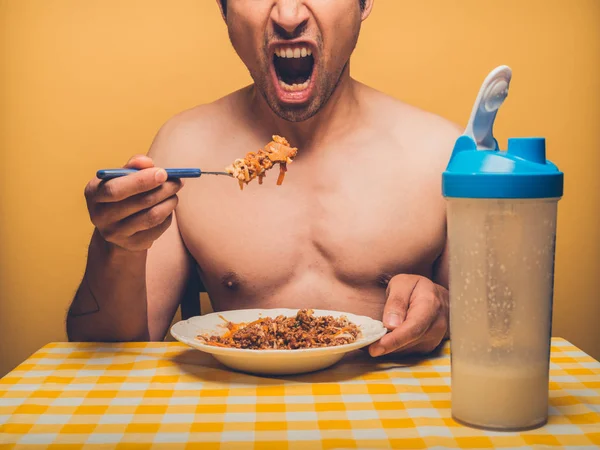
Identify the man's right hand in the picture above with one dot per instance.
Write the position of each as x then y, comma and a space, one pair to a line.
133, 211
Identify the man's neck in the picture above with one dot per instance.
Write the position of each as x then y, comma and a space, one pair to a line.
339, 115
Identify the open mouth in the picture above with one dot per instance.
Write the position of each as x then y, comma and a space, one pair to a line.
293, 67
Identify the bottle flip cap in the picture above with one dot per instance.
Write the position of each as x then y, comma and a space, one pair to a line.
479, 169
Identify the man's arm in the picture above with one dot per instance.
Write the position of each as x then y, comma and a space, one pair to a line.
131, 291
171, 277
110, 304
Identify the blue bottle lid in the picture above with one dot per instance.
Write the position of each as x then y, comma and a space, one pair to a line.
478, 169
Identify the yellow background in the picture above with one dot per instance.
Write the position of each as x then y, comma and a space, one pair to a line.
86, 84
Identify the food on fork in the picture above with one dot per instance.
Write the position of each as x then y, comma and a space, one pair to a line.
305, 330
256, 164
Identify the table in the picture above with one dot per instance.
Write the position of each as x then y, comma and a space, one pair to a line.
167, 396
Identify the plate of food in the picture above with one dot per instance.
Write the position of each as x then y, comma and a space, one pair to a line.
278, 341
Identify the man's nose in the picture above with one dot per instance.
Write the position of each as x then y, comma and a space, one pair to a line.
290, 17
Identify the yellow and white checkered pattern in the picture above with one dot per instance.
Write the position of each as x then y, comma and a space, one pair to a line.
167, 396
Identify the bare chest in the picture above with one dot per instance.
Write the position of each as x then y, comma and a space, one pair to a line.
353, 220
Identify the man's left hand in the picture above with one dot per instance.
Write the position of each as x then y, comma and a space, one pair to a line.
416, 312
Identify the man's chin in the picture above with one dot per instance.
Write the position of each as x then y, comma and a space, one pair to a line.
294, 113
294, 116
291, 112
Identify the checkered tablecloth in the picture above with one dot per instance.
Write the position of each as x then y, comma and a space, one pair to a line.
167, 396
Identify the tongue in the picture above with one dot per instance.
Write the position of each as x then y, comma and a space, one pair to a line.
295, 80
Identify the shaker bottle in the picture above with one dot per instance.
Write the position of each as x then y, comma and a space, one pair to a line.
501, 209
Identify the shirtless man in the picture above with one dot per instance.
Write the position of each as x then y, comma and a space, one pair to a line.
358, 224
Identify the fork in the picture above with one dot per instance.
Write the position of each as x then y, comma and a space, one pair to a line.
109, 174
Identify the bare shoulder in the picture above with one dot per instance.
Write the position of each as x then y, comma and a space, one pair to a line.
193, 137
427, 137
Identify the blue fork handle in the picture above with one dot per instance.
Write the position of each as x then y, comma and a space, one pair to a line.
109, 174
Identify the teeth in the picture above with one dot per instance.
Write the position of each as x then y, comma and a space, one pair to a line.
293, 53
294, 87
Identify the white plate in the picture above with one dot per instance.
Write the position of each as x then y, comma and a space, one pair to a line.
272, 362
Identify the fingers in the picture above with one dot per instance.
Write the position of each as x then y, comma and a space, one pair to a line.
134, 210
427, 343
148, 218
139, 162
108, 213
121, 188
420, 317
143, 240
399, 291
93, 193
138, 232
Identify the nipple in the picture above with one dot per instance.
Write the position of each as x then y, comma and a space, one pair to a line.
231, 281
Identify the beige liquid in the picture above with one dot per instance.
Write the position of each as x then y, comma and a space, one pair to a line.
501, 398
501, 286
